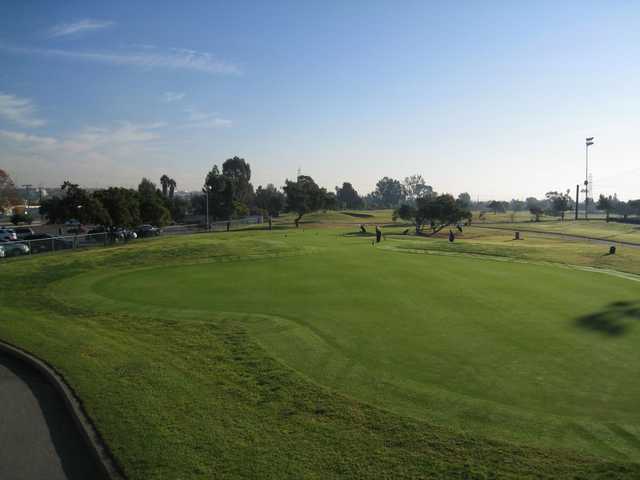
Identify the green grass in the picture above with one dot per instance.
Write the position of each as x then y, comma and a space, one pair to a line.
341, 217
292, 354
589, 228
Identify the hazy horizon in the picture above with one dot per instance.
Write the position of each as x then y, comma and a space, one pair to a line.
494, 99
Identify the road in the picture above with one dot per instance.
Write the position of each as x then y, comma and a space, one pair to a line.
38, 438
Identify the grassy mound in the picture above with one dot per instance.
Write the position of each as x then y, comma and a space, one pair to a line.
311, 354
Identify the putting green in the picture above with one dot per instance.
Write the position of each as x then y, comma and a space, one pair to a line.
535, 354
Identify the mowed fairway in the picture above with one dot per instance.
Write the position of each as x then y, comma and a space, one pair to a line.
542, 358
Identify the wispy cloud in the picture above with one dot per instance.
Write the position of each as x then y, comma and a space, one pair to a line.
21, 111
196, 119
26, 138
120, 153
81, 26
174, 58
173, 96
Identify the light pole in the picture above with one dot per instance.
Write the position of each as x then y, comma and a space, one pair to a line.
588, 143
206, 192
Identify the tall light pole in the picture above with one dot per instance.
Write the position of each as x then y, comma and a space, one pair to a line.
588, 143
206, 192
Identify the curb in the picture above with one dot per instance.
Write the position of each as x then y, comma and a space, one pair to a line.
101, 453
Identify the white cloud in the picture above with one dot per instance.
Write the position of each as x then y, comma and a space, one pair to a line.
196, 119
21, 111
117, 154
75, 28
173, 59
173, 96
25, 138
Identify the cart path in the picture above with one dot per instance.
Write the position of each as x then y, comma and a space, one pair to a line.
38, 437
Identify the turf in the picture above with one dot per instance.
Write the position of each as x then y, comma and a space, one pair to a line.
314, 354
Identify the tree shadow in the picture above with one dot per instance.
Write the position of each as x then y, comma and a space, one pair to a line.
76, 460
614, 320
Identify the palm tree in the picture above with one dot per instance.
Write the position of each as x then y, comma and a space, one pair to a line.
164, 181
172, 187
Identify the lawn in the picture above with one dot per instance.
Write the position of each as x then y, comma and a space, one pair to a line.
315, 354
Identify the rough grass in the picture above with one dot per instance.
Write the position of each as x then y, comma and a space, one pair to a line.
227, 358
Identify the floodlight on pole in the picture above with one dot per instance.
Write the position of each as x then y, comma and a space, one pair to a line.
588, 142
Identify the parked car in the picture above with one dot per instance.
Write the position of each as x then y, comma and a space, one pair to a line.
22, 232
76, 230
147, 231
13, 249
8, 234
43, 242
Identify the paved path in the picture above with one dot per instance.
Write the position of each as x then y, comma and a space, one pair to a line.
38, 438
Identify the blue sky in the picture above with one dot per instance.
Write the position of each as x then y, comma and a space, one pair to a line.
493, 98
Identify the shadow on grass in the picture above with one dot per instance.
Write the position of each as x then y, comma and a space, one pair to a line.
357, 215
613, 320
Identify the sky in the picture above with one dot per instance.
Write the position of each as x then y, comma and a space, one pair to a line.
491, 98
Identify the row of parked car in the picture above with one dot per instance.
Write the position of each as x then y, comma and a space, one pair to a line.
23, 240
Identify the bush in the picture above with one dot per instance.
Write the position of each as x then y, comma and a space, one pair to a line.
21, 218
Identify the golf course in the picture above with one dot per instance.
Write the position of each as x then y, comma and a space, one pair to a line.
317, 353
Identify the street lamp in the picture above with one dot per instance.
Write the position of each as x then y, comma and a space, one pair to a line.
588, 143
205, 190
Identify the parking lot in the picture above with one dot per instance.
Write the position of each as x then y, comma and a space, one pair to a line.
34, 239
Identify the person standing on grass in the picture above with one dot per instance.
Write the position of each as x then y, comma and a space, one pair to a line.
378, 234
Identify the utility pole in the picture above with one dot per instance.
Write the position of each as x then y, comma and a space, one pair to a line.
577, 199
588, 143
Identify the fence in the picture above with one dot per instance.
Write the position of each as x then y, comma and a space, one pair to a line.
62, 243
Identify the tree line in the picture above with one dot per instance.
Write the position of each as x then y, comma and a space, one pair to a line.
228, 193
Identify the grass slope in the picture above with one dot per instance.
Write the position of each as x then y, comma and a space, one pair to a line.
316, 355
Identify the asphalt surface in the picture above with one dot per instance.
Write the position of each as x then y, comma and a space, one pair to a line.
38, 438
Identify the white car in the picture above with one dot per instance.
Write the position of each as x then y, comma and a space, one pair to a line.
8, 235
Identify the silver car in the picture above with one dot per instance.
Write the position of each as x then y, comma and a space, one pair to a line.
13, 249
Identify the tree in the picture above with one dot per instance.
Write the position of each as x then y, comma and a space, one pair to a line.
347, 197
303, 196
172, 187
388, 193
497, 206
238, 171
152, 209
122, 205
438, 212
606, 204
8, 193
164, 182
464, 201
221, 194
270, 199
532, 202
537, 212
17, 218
330, 200
517, 205
559, 202
74, 204
415, 187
